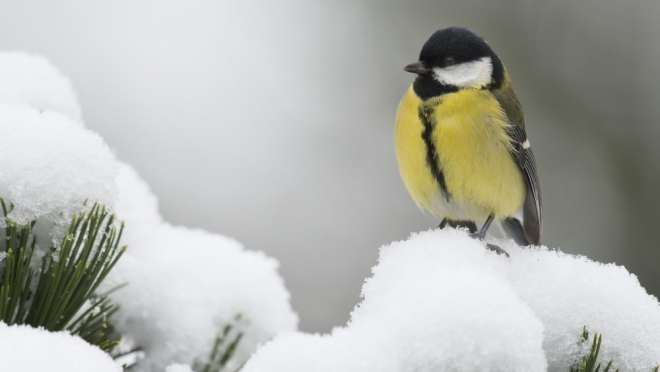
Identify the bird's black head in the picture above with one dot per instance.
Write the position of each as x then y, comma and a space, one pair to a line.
455, 58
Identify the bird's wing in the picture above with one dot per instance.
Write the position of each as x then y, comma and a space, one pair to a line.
533, 206
522, 153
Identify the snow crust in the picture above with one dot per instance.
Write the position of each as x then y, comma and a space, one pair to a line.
186, 284
31, 79
28, 349
51, 164
440, 302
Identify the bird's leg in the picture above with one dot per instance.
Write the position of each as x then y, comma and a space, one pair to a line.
443, 224
484, 229
482, 234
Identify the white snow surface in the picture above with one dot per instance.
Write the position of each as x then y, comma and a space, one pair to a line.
186, 284
51, 164
178, 368
436, 302
568, 292
31, 79
440, 302
27, 349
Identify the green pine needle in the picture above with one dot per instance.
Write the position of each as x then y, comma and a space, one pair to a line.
589, 362
224, 347
67, 280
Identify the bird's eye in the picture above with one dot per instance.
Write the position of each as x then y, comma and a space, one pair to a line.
449, 62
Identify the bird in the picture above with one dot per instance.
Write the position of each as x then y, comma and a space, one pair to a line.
460, 140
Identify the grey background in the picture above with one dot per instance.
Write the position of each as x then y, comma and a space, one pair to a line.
272, 121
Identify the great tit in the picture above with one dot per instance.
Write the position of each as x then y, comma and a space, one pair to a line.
460, 140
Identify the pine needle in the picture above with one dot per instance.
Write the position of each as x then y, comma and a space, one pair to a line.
67, 280
589, 362
224, 347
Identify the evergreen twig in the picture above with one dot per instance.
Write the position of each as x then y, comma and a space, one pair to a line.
589, 362
224, 347
68, 277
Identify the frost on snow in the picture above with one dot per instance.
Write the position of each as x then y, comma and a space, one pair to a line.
27, 349
186, 284
50, 165
32, 80
441, 302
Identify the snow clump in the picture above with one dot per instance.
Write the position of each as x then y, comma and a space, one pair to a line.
569, 292
27, 349
441, 302
431, 305
50, 165
32, 80
185, 285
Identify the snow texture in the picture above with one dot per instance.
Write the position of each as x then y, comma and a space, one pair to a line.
32, 80
178, 368
441, 302
186, 284
51, 164
28, 349
568, 292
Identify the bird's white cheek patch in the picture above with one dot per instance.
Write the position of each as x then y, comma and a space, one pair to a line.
466, 75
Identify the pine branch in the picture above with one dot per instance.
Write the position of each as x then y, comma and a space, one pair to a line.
223, 349
589, 362
67, 280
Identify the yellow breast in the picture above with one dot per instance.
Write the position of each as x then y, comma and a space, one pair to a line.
468, 131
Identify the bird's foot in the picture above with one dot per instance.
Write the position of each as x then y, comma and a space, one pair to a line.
478, 236
490, 247
496, 249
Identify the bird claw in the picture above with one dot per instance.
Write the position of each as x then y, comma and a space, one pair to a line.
477, 236
496, 249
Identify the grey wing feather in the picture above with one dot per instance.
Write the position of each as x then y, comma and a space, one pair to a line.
514, 229
533, 205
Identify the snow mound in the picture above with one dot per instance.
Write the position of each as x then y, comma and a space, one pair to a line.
27, 349
440, 302
568, 292
431, 305
32, 80
187, 284
50, 165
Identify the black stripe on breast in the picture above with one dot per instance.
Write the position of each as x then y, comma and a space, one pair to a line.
426, 116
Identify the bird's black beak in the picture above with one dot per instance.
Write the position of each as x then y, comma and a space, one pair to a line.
416, 68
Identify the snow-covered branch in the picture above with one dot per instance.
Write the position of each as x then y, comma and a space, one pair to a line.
440, 302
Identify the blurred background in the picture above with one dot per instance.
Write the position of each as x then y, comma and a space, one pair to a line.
272, 121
